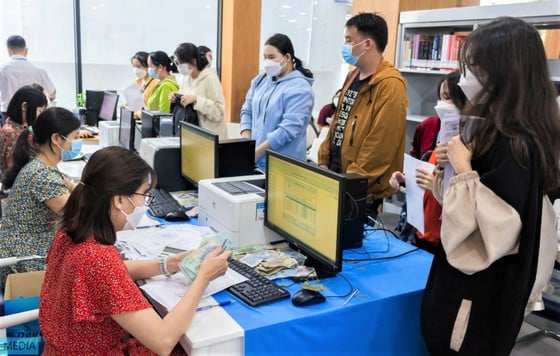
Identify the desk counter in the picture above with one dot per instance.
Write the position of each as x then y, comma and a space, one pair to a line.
383, 319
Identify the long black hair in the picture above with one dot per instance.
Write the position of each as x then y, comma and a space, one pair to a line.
507, 57
284, 46
34, 99
110, 171
52, 121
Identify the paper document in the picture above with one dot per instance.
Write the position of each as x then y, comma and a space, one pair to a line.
415, 194
134, 97
451, 126
168, 291
149, 243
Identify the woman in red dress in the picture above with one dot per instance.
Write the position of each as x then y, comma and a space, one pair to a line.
89, 301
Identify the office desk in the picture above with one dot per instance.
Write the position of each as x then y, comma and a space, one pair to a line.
383, 319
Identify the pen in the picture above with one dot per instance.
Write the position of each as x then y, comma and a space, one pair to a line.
354, 293
220, 304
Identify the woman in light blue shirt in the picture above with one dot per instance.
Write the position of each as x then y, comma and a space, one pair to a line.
278, 105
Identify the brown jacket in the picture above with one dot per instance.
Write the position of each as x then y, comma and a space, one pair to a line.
373, 143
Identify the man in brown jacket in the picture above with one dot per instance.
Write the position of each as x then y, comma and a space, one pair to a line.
367, 134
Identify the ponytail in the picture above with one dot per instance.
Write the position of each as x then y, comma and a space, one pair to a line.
24, 151
299, 66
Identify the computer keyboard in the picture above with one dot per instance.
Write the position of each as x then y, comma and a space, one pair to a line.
257, 290
164, 203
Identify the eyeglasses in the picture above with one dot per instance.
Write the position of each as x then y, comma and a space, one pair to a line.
148, 198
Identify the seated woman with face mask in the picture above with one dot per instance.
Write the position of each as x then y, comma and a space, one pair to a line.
38, 190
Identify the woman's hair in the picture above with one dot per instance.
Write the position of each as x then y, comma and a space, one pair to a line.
284, 46
110, 171
52, 121
189, 53
508, 58
142, 57
34, 99
455, 92
160, 58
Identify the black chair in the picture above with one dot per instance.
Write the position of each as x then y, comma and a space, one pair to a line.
547, 321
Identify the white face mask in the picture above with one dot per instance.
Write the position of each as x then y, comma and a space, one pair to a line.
133, 219
443, 108
139, 72
184, 69
470, 85
272, 68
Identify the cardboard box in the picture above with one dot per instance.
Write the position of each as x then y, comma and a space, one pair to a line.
21, 293
26, 284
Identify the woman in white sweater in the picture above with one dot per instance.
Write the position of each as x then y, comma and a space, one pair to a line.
202, 88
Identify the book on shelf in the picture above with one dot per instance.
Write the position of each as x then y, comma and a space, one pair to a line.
437, 51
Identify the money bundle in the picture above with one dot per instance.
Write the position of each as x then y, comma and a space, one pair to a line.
191, 262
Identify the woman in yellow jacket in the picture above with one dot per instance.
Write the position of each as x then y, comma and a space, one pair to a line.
202, 88
160, 66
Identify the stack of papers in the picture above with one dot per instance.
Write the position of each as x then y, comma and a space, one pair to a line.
149, 243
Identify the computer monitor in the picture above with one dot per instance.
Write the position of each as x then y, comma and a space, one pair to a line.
127, 128
98, 101
316, 210
94, 99
199, 153
108, 110
204, 156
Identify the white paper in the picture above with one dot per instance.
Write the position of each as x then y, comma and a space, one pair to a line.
167, 291
149, 243
449, 128
415, 194
134, 97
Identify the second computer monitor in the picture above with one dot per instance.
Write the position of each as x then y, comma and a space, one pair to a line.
127, 128
199, 154
108, 110
204, 156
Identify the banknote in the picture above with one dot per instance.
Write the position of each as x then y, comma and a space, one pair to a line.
191, 262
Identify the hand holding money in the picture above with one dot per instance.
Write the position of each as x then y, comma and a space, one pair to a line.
192, 260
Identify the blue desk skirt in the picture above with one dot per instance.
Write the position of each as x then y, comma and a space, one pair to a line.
383, 319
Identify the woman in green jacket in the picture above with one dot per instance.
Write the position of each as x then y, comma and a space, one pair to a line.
160, 66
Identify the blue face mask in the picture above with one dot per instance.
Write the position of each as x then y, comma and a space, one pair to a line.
346, 52
152, 73
76, 149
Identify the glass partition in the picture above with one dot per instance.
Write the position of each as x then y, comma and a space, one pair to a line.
48, 29
112, 31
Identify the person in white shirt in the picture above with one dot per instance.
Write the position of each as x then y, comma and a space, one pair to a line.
18, 71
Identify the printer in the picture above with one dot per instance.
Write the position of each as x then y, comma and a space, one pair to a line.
234, 206
164, 156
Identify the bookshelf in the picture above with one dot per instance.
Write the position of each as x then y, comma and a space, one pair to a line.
423, 73
427, 42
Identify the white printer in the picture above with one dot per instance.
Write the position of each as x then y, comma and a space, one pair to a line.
234, 206
163, 155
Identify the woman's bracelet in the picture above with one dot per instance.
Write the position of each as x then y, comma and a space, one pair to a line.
163, 266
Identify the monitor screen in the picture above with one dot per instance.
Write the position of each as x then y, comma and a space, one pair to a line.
304, 205
108, 106
126, 129
199, 153
94, 99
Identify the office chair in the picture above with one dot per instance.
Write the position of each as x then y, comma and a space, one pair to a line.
546, 321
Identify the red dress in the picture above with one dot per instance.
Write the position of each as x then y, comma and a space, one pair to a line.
84, 285
432, 215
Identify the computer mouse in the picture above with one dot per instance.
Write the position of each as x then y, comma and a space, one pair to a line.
305, 297
176, 216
